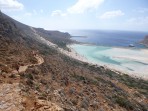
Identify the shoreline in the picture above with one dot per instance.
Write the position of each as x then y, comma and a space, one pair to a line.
115, 69
72, 53
77, 56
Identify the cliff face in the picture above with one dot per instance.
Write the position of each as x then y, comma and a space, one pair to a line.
145, 41
53, 81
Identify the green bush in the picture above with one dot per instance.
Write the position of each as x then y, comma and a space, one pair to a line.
123, 102
29, 76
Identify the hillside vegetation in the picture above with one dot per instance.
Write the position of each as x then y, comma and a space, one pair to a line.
59, 83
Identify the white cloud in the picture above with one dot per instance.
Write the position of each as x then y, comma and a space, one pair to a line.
41, 11
143, 10
34, 12
11, 5
27, 14
58, 13
84, 5
111, 14
138, 21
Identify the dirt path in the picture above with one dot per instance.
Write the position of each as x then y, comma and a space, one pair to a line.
24, 68
10, 94
39, 59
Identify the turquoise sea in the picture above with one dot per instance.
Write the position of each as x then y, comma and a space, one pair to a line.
114, 55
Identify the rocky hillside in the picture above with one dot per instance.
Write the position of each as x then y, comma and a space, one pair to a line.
18, 40
52, 81
145, 41
14, 44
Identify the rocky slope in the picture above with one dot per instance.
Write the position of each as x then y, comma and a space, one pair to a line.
18, 40
57, 82
145, 41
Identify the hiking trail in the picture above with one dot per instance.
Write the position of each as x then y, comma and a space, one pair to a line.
10, 94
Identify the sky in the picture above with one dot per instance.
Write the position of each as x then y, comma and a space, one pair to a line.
79, 14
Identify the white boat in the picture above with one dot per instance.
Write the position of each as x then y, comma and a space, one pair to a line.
131, 45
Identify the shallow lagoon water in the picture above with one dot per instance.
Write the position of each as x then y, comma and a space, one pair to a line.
129, 60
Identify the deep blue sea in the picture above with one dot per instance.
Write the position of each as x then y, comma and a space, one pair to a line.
109, 38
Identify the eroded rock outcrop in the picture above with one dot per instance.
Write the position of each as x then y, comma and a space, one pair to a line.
10, 97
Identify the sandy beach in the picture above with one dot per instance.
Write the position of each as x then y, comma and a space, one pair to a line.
141, 72
73, 54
